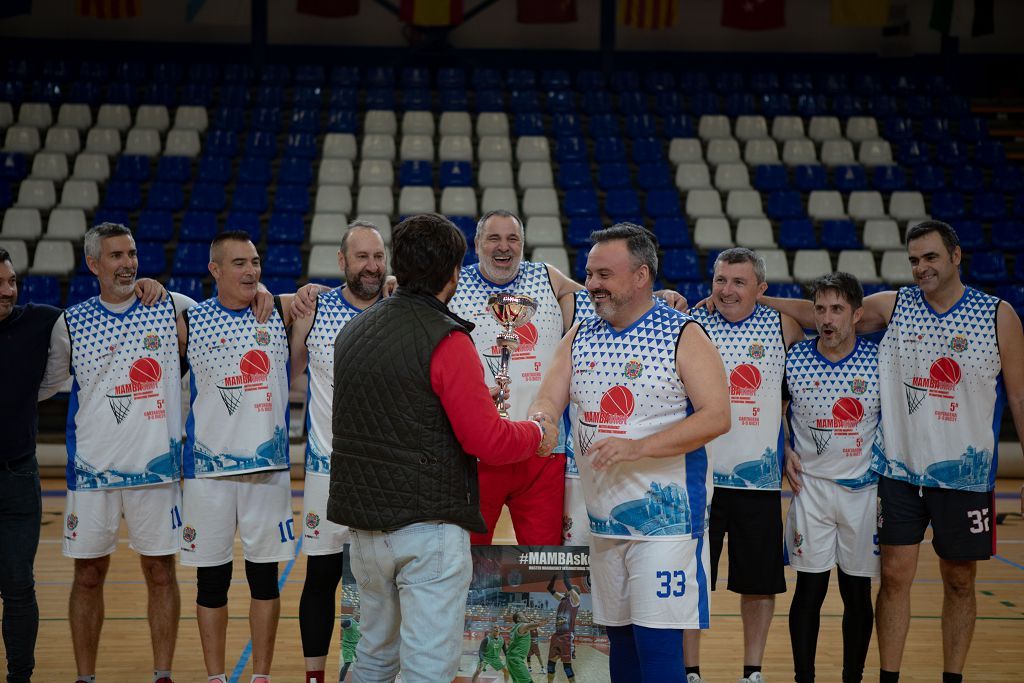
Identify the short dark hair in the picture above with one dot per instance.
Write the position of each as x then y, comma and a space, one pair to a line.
945, 230
5, 256
425, 251
843, 284
641, 242
229, 236
91, 243
744, 255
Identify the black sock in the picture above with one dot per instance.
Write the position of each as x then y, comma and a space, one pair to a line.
692, 670
888, 676
747, 670
952, 678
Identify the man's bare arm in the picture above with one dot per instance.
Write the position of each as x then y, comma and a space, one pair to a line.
877, 310
1010, 337
791, 331
299, 353
553, 395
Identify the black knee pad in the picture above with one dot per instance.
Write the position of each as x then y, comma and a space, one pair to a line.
262, 578
568, 671
212, 585
551, 667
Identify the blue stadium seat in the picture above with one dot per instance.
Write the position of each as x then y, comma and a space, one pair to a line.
614, 175
122, 93
208, 197
729, 82
132, 167
291, 199
456, 174
837, 235
561, 101
11, 91
301, 145
522, 101
280, 285
951, 153
580, 227
580, 202
227, 118
454, 99
990, 153
174, 169
123, 195
250, 197
785, 204
342, 121
579, 264
796, 82
152, 261
566, 123
520, 79
989, 206
703, 103
165, 196
633, 102
641, 126
269, 95
971, 234
287, 227
198, 226
797, 234
413, 77
694, 291
573, 174
276, 74
810, 177
1007, 178
740, 104
668, 103
419, 99
6, 198
679, 126
589, 79
82, 287
380, 77
928, 178
46, 91
89, 93
663, 204
621, 204
776, 104
528, 124
104, 215
40, 289
13, 166
204, 73
247, 221
234, 95
849, 178
604, 125
380, 98
467, 224
223, 143
214, 169
609, 149
654, 176
659, 81
672, 232
344, 98
764, 82
681, 265
267, 119
883, 106
1008, 234
191, 258
295, 171
310, 75
948, 205
972, 129
165, 94
955, 106
87, 71
648, 150
867, 84
451, 77
487, 79
935, 129
305, 121
238, 73
919, 106
622, 81
846, 105
912, 153
416, 173
988, 267
968, 178
888, 178
1012, 294
490, 100
808, 105
283, 260
570, 148
897, 129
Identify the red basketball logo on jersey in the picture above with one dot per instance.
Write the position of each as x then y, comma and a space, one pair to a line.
255, 362
943, 377
847, 411
255, 367
143, 383
145, 370
945, 371
616, 406
744, 381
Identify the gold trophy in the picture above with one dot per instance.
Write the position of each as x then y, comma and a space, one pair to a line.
511, 311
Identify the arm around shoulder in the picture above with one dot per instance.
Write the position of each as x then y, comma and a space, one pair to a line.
1010, 337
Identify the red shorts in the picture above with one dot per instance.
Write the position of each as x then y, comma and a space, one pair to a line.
533, 490
560, 647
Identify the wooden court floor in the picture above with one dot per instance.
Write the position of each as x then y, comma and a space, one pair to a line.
125, 656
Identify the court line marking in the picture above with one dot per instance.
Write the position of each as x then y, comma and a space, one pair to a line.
1009, 562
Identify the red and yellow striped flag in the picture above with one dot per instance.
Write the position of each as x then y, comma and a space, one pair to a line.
652, 14
109, 9
431, 12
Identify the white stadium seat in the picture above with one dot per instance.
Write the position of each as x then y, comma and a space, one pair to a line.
63, 140
377, 172
114, 116
811, 263
722, 151
825, 205
380, 122
499, 198
875, 153
904, 206
74, 115
49, 166
458, 201
103, 141
495, 174
335, 199
685, 150
377, 146
413, 199
455, 123
418, 123
327, 228
881, 235
456, 148
340, 146
751, 128
18, 251
323, 261
712, 233
744, 204
66, 224
374, 200
532, 148
91, 166
189, 117
837, 153
553, 256
861, 128
53, 257
776, 266
37, 194
755, 233
492, 124
35, 115
693, 176
417, 148
154, 116
182, 143
865, 205
21, 224
860, 263
799, 153
896, 268
336, 172
21, 139
714, 127
703, 203
824, 128
544, 231
494, 148
142, 141
535, 174
540, 202
788, 128
732, 177
80, 194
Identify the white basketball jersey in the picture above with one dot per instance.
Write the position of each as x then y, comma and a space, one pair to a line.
942, 392
124, 417
538, 338
835, 411
239, 418
626, 384
749, 455
584, 308
333, 312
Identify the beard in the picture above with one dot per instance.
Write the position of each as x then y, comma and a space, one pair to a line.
608, 307
364, 290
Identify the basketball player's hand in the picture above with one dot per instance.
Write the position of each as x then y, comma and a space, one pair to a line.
549, 439
390, 285
262, 304
707, 302
149, 291
612, 450
673, 299
794, 471
304, 302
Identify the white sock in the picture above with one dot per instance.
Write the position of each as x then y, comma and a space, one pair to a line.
157, 675
219, 678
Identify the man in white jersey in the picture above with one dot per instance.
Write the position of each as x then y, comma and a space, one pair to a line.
834, 413
236, 458
361, 259
124, 441
533, 490
649, 391
949, 358
747, 504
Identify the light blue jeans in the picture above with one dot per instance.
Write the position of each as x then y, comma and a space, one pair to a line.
413, 585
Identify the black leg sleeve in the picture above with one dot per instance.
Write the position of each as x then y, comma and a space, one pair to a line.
858, 618
317, 604
804, 620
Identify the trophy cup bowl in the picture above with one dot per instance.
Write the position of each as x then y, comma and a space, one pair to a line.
511, 311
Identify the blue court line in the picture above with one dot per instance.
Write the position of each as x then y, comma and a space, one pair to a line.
243, 659
1009, 562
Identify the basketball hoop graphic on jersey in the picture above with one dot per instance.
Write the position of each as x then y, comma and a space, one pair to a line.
847, 412
616, 406
744, 381
943, 377
232, 397
493, 364
254, 366
120, 405
585, 433
143, 379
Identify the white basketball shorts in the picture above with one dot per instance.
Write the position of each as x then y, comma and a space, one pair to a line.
151, 513
319, 535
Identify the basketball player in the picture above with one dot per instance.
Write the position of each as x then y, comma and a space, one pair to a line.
560, 645
124, 441
350, 636
747, 503
492, 647
524, 634
236, 458
534, 650
649, 389
361, 260
834, 410
949, 358
533, 491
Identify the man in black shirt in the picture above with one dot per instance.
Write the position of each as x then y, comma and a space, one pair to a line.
24, 340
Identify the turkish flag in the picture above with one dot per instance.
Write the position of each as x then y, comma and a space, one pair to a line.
545, 11
754, 15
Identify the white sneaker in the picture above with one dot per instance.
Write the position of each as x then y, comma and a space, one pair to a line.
753, 678
694, 678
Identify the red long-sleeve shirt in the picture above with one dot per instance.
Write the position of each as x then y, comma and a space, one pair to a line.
457, 377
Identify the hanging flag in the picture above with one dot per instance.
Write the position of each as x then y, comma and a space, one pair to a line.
963, 17
754, 15
653, 14
431, 12
13, 8
109, 9
545, 11
331, 9
860, 12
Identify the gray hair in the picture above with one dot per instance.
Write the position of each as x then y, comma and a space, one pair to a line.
355, 225
498, 212
744, 255
94, 238
641, 242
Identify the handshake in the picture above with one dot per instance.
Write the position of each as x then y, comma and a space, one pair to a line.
550, 437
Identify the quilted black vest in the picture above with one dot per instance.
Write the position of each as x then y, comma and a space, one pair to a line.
395, 458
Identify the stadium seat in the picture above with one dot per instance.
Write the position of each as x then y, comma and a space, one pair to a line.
340, 172
612, 176
198, 226
948, 205
154, 116
554, 256
861, 128
824, 128
989, 206
342, 146
799, 152
928, 178
990, 153
535, 174
859, 263
755, 233
622, 204
604, 126
733, 177
456, 174
416, 173
905, 206
455, 123
874, 153
493, 148
378, 122
21, 224
142, 142
338, 199
968, 178
880, 235
327, 228
785, 204
685, 150
757, 152
458, 201
72, 115
64, 224
714, 127
532, 148
295, 171
654, 176
810, 177
663, 204
703, 203
416, 148
418, 123
543, 231
787, 128
165, 196
174, 169
373, 172
726, 151
291, 199
609, 150
37, 194
155, 226
988, 267
191, 118
376, 146
770, 177
797, 233
62, 140
456, 148
971, 234
839, 234
865, 206
751, 128
35, 115
849, 178
744, 204
40, 289
53, 257
286, 227
503, 198
1009, 234
183, 143
712, 233
681, 265
544, 202
670, 231
646, 150
21, 139
809, 264
571, 148
580, 227
152, 260
693, 176
82, 287
49, 166
825, 204
245, 221
837, 153
895, 268
888, 178
497, 174
282, 260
